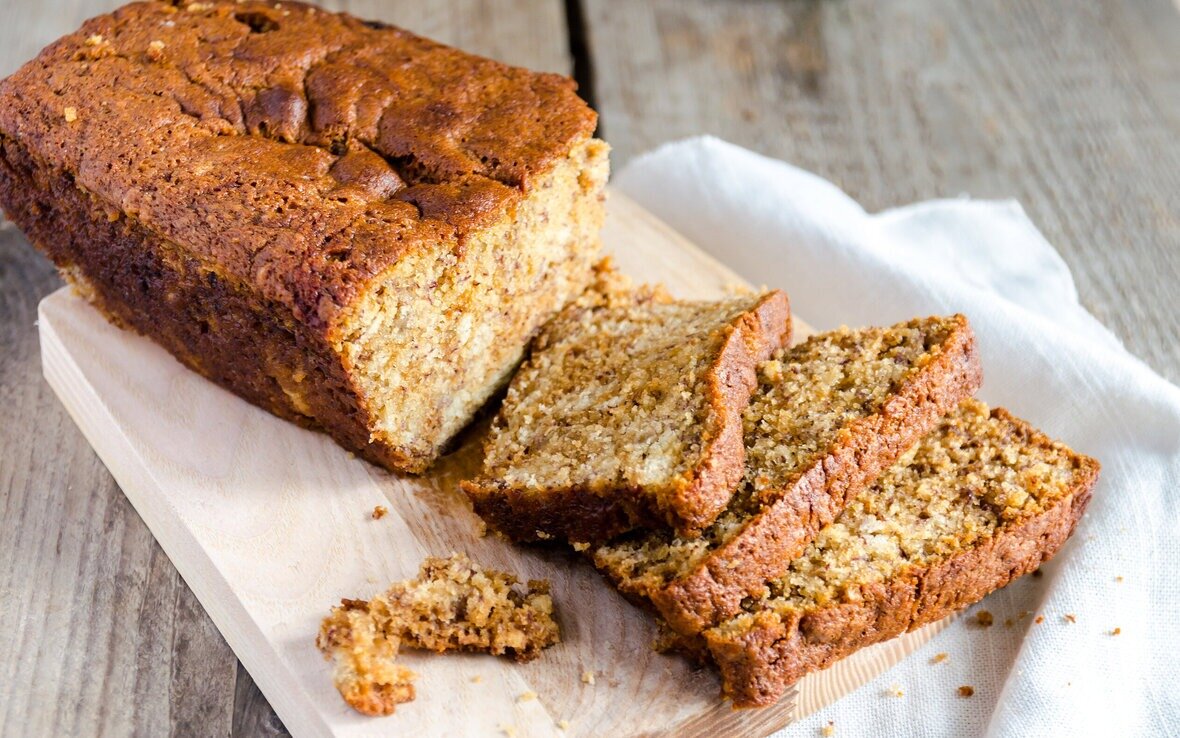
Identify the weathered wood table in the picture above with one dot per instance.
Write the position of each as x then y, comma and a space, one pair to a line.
1072, 108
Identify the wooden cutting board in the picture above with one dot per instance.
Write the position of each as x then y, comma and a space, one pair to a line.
270, 525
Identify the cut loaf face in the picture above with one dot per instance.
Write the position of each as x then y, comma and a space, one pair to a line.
829, 415
979, 502
627, 412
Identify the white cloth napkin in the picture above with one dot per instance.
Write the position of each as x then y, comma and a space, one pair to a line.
1046, 359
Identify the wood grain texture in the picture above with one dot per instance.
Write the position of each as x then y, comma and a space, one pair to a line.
1071, 108
105, 637
270, 525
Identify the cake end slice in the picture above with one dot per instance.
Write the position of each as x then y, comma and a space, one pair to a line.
979, 502
627, 414
829, 415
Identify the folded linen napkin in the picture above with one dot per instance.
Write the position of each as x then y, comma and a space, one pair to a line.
1046, 359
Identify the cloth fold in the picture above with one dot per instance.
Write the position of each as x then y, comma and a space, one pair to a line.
1105, 656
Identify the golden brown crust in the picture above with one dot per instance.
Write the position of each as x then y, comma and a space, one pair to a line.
449, 141
731, 381
596, 513
761, 661
789, 518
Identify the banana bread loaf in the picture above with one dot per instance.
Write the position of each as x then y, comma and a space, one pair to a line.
829, 415
351, 226
626, 414
979, 502
453, 605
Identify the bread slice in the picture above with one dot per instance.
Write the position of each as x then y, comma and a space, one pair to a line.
829, 416
453, 605
979, 502
625, 414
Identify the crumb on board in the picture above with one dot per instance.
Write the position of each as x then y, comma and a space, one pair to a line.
477, 679
379, 512
1040, 619
528, 696
1118, 579
939, 658
71, 114
1116, 631
1070, 618
828, 730
895, 691
563, 724
1009, 623
984, 618
588, 677
966, 690
507, 729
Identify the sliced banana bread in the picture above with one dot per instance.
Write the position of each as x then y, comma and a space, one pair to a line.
453, 605
830, 414
979, 502
627, 413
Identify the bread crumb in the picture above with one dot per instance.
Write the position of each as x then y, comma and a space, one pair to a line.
939, 658
94, 39
581, 547
828, 730
966, 691
508, 730
1040, 619
1070, 618
477, 679
1023, 614
1116, 631
379, 512
528, 696
542, 535
895, 691
1009, 623
1118, 579
984, 618
71, 114
563, 724
588, 677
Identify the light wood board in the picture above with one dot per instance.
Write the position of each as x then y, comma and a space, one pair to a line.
270, 525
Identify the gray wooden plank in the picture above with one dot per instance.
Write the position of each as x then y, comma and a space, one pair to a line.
1072, 108
102, 635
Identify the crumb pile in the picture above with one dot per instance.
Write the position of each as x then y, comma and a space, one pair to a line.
453, 605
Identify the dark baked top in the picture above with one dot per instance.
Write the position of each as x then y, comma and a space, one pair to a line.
286, 148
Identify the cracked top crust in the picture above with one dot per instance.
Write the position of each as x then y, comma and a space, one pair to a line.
296, 151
